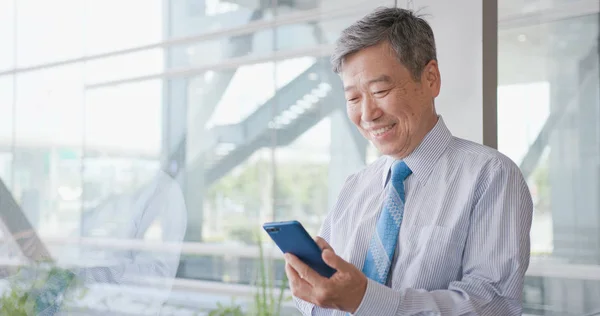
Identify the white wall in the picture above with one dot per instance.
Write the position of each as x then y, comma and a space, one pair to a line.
457, 26
458, 29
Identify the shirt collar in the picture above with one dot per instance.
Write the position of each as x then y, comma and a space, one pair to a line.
422, 160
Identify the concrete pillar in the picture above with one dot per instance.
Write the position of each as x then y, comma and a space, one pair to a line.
175, 114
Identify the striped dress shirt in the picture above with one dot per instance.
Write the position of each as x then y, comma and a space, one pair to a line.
463, 246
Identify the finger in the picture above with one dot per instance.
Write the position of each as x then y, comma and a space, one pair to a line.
322, 243
291, 273
300, 288
335, 261
303, 270
294, 276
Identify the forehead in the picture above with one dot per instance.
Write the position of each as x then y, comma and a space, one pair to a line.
369, 63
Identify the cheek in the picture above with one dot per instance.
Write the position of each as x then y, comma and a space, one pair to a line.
398, 107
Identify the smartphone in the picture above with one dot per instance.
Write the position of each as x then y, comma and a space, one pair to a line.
291, 237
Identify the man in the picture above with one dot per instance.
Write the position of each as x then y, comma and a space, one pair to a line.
438, 225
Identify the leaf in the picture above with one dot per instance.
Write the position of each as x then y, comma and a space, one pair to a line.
230, 310
281, 291
263, 284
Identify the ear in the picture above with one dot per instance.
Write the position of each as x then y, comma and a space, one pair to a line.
431, 77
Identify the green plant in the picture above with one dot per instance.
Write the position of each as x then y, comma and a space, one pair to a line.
223, 310
38, 288
16, 302
267, 300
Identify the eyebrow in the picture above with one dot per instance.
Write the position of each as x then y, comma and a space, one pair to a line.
382, 78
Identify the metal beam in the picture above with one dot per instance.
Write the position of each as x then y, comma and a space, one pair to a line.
257, 127
571, 10
231, 63
283, 137
316, 14
256, 123
15, 226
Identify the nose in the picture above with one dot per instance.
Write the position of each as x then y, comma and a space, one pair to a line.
370, 111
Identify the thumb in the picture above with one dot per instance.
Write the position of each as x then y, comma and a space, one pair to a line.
333, 260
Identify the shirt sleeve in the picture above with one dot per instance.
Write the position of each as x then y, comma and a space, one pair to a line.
495, 258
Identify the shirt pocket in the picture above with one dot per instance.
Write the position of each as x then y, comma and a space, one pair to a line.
434, 233
440, 250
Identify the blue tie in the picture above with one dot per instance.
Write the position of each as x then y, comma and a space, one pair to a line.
383, 243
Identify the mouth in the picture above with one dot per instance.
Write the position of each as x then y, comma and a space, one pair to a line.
383, 131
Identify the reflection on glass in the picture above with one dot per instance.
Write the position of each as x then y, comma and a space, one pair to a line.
146, 228
48, 107
38, 30
112, 175
303, 177
547, 123
135, 23
124, 119
197, 17
7, 32
126, 66
149, 222
48, 132
6, 128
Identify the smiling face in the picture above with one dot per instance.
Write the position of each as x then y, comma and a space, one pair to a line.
388, 106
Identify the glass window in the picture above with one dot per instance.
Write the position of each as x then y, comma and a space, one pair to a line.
49, 31
127, 164
125, 119
259, 135
48, 137
6, 108
548, 110
6, 168
188, 18
7, 34
49, 107
122, 144
112, 25
6, 128
122, 67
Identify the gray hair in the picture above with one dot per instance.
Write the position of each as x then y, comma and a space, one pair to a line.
409, 35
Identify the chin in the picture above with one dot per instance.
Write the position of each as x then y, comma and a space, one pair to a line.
384, 150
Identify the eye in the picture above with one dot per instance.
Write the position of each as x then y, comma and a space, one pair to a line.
353, 100
380, 92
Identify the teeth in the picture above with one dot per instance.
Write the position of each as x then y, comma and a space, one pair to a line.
382, 130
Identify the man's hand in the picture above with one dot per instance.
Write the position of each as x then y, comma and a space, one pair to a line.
343, 291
